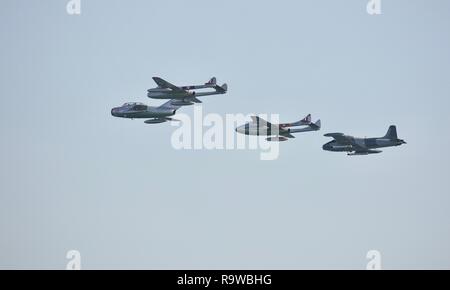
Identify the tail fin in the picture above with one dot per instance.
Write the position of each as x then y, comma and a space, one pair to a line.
302, 122
221, 89
391, 133
316, 125
211, 82
306, 120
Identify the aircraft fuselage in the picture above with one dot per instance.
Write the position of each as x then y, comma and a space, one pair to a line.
367, 143
161, 93
254, 129
148, 112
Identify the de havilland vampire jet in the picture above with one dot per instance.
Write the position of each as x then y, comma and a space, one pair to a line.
277, 132
184, 95
362, 146
154, 115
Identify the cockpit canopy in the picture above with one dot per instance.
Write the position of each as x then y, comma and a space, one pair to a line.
132, 104
135, 106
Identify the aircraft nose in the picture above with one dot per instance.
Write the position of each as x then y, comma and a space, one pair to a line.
113, 112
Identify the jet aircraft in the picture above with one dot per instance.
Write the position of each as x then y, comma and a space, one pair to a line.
277, 132
185, 95
154, 115
362, 146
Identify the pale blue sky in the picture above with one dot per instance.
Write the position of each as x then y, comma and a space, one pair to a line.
73, 177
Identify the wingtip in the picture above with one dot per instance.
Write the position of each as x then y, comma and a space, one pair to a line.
333, 134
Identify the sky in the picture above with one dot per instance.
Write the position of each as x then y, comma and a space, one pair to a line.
72, 177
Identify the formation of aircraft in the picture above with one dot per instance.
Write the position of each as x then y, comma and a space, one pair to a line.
187, 95
277, 132
362, 146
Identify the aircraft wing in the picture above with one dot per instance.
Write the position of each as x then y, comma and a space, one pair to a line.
288, 135
340, 138
273, 128
166, 85
365, 152
261, 121
159, 120
345, 140
171, 105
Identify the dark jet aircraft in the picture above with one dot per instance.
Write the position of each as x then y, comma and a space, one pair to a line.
154, 115
362, 146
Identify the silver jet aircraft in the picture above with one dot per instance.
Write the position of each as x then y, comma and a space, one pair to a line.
362, 146
277, 132
154, 115
184, 95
